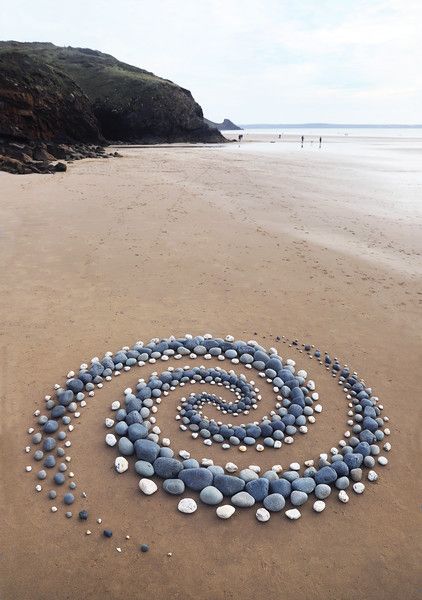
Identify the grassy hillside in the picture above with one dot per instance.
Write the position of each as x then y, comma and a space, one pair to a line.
130, 104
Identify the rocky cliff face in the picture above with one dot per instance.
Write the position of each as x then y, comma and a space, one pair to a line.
226, 125
125, 103
40, 103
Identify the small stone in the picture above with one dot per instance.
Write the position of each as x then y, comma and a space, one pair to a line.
83, 515
226, 511
87, 532
109, 423
99, 521
121, 464
372, 476
54, 509
359, 488
295, 466
356, 474
28, 469
319, 506
144, 547
187, 506
107, 533
343, 497
262, 515
147, 486
231, 467
383, 460
293, 514
38, 488
115, 405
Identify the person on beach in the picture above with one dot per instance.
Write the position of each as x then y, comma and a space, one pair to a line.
303, 138
240, 137
320, 141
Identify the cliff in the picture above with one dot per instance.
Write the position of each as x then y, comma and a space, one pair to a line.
226, 125
129, 104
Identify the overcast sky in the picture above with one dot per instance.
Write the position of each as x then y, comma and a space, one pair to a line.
289, 61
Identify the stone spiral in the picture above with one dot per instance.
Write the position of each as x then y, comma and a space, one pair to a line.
137, 434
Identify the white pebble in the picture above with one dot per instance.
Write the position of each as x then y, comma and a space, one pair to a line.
38, 487
231, 467
226, 511
342, 496
54, 509
121, 464
318, 408
109, 423
383, 460
293, 514
110, 439
147, 486
358, 487
372, 476
187, 506
28, 469
115, 405
262, 515
319, 506
294, 466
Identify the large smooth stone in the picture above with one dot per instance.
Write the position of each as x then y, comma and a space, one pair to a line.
304, 484
258, 488
274, 502
174, 486
322, 491
280, 486
211, 495
298, 498
243, 500
125, 446
146, 450
228, 484
167, 468
196, 479
326, 475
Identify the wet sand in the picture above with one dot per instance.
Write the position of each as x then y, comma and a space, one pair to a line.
323, 246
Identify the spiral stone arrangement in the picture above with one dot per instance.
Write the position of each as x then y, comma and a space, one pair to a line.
136, 433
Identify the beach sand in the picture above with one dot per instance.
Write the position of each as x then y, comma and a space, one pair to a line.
322, 245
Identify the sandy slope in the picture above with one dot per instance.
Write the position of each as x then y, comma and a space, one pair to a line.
323, 246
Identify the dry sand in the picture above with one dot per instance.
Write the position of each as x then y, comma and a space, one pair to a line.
320, 245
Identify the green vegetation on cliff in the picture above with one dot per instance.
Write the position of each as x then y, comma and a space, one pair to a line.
128, 103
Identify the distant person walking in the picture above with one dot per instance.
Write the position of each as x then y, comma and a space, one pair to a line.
303, 139
320, 141
240, 137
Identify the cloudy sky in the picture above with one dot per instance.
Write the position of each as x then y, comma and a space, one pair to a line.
265, 61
